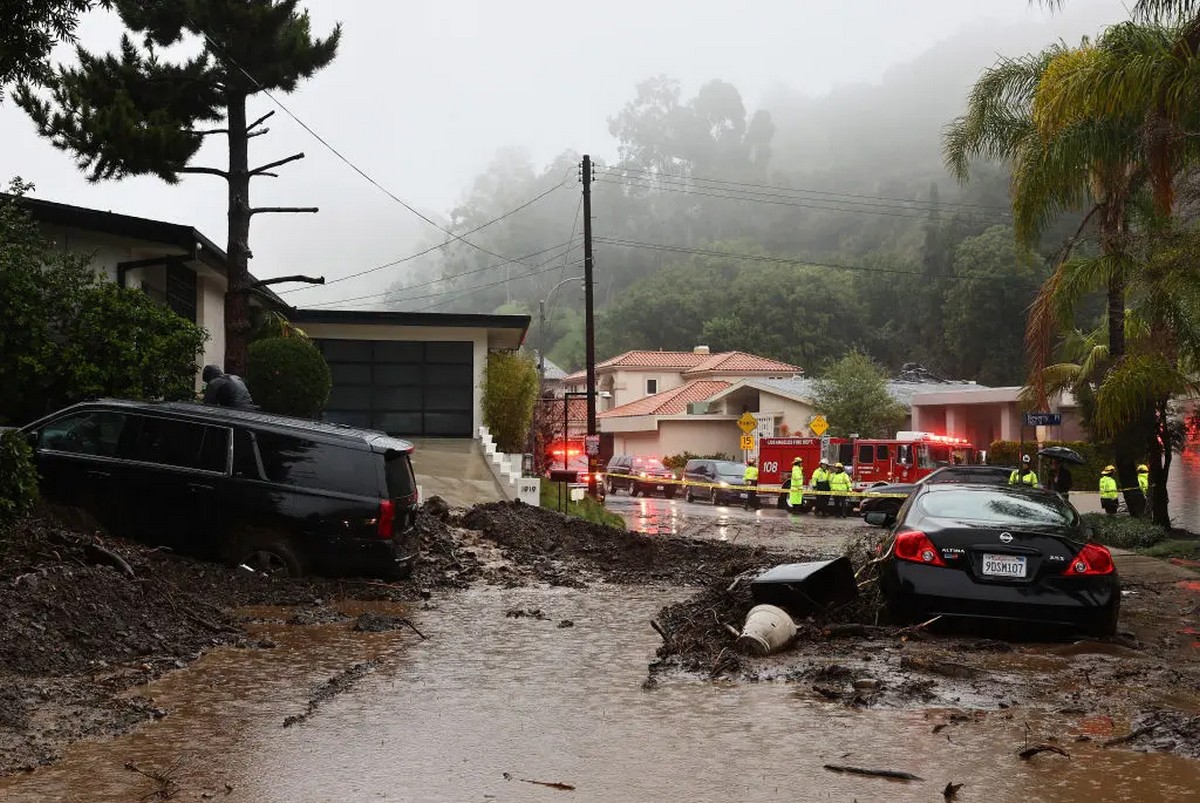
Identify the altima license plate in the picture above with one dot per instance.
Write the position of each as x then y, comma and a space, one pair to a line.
1004, 565
741, 496
658, 488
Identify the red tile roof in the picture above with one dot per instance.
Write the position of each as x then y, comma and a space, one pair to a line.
738, 362
669, 402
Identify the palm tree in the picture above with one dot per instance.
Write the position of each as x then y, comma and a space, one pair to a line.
1092, 164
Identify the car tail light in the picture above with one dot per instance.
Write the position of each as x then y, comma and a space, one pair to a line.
915, 546
1093, 560
387, 516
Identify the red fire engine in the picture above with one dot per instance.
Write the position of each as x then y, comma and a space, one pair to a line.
872, 461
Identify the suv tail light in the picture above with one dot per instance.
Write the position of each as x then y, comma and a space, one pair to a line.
387, 517
1092, 560
916, 547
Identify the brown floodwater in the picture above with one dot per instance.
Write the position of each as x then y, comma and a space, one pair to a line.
489, 702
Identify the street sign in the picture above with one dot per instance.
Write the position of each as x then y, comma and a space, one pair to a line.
591, 445
747, 423
1043, 419
824, 443
747, 443
818, 425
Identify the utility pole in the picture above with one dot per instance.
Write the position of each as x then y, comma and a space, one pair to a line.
589, 317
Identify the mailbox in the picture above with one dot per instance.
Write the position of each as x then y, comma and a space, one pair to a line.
560, 475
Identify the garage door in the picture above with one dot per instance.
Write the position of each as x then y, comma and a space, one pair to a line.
402, 387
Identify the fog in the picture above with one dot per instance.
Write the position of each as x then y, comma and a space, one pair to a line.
424, 94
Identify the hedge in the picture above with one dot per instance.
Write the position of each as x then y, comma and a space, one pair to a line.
1084, 478
288, 376
18, 477
1124, 532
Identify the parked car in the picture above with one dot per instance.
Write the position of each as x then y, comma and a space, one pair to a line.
640, 475
997, 554
988, 475
716, 480
281, 495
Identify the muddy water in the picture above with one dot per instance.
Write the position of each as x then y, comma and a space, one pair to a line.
489, 695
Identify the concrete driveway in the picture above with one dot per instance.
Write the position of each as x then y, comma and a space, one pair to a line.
454, 469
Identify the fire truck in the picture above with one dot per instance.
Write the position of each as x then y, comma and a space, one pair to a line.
908, 457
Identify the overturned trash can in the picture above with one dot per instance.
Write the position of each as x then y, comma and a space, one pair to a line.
768, 629
806, 588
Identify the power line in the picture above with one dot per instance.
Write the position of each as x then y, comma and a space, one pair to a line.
483, 269
658, 174
225, 55
911, 212
787, 260
419, 254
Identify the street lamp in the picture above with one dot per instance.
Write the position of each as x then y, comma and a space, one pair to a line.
542, 327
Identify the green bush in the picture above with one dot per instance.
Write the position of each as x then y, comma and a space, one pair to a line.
510, 390
1083, 478
1124, 532
676, 462
288, 376
70, 335
18, 477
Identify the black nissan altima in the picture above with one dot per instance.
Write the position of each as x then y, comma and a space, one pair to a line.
1003, 553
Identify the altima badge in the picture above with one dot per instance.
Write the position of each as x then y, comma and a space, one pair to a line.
1006, 537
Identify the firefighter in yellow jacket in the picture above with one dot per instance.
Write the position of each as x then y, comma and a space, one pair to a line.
750, 478
820, 482
839, 483
796, 485
1109, 496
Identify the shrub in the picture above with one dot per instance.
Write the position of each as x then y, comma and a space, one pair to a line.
510, 390
676, 462
1083, 478
288, 376
18, 477
1124, 532
70, 335
589, 509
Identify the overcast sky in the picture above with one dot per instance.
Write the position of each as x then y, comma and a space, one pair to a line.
424, 92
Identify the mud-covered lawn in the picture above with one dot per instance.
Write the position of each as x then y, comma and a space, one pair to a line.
90, 617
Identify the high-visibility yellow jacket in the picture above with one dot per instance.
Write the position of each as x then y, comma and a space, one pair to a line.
839, 482
796, 488
1108, 487
820, 475
1144, 482
1028, 478
751, 474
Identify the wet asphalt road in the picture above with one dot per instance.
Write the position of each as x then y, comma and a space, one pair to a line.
766, 526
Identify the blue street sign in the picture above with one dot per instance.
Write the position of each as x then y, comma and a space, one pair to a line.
1043, 419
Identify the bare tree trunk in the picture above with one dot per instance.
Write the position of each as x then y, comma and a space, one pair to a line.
237, 299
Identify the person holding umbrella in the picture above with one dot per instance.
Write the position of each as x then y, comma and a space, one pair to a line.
1060, 478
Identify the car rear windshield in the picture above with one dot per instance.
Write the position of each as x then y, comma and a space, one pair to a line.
647, 462
400, 480
726, 469
999, 507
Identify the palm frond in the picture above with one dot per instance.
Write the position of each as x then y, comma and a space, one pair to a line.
1132, 385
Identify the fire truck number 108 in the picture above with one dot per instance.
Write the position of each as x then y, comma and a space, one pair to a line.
770, 466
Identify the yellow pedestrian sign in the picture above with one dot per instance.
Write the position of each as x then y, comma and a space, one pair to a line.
818, 425
747, 443
747, 423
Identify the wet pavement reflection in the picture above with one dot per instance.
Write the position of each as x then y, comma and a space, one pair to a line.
490, 702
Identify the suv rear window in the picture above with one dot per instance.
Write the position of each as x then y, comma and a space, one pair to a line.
647, 462
321, 466
400, 480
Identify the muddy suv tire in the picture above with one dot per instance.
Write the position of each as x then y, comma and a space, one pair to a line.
264, 550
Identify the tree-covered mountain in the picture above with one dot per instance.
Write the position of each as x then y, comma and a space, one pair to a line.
797, 230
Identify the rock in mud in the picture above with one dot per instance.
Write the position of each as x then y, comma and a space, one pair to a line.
378, 623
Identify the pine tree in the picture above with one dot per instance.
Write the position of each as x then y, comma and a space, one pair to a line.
132, 113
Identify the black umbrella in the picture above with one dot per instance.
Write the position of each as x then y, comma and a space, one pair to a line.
1062, 453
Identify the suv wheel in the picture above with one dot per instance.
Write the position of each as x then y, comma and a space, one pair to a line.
265, 551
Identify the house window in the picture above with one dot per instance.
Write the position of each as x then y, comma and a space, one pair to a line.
651, 387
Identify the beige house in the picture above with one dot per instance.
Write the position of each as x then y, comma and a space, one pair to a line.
175, 264
983, 415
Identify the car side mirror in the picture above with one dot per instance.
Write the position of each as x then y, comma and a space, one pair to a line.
32, 439
879, 518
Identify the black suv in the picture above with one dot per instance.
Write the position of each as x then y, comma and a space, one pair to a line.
282, 495
984, 475
641, 475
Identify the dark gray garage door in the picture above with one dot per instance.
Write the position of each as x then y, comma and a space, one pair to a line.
402, 387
